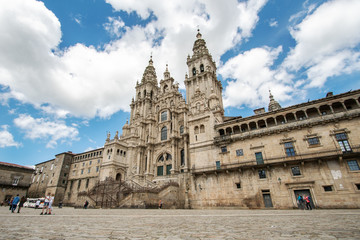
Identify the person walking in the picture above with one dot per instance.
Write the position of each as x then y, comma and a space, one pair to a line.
46, 204
307, 202
21, 204
15, 202
300, 201
51, 201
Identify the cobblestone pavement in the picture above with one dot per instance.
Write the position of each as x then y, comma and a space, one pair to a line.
70, 223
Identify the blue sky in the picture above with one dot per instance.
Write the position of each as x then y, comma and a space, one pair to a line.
68, 68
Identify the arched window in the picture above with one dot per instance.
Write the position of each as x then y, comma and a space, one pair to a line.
196, 129
118, 177
202, 68
165, 88
194, 71
202, 128
164, 133
163, 116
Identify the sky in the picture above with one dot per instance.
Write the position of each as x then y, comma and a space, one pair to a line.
68, 69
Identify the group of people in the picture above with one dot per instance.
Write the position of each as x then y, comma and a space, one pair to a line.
304, 202
49, 199
14, 202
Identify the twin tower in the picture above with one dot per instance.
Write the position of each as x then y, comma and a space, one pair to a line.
166, 135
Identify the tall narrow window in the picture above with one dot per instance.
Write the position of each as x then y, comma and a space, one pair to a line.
87, 183
289, 149
79, 184
168, 168
163, 133
202, 68
160, 170
343, 142
163, 116
182, 157
181, 129
259, 158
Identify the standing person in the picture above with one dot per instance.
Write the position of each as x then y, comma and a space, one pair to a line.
160, 204
300, 202
307, 202
51, 200
86, 204
10, 203
15, 202
37, 204
46, 204
21, 204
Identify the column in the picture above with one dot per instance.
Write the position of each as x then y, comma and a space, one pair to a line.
186, 154
148, 162
138, 163
173, 156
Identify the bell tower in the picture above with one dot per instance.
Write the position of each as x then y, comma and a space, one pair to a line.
203, 90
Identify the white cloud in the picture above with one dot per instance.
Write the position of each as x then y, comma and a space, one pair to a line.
273, 23
114, 26
41, 128
327, 42
253, 78
85, 81
7, 139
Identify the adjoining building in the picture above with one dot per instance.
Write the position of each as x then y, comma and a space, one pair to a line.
14, 179
189, 155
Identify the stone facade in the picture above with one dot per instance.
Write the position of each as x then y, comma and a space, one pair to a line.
14, 179
265, 160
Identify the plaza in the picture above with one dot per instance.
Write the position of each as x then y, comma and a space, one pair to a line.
70, 223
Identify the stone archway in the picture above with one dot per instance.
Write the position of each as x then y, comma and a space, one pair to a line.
118, 177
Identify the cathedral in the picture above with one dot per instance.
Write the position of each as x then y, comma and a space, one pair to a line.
187, 154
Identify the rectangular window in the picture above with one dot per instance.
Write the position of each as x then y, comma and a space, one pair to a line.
239, 152
328, 188
343, 142
79, 184
262, 174
289, 149
87, 183
82, 171
218, 165
357, 186
313, 141
16, 181
353, 165
98, 160
259, 158
160, 170
97, 168
164, 116
295, 171
223, 149
168, 168
83, 164
90, 162
89, 170
238, 185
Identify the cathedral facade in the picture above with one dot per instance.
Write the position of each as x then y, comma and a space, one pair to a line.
189, 155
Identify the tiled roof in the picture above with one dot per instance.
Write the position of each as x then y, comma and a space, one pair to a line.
14, 165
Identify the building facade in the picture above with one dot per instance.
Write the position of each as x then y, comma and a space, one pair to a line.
14, 179
190, 154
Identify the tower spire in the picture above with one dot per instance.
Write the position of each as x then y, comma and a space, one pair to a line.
273, 104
